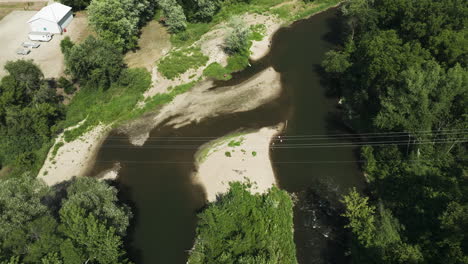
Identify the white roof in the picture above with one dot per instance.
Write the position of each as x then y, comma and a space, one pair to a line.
54, 12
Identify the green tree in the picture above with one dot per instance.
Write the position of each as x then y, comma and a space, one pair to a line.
206, 9
174, 16
336, 62
361, 217
29, 110
94, 63
237, 38
99, 199
20, 204
76, 4
97, 242
115, 21
66, 44
246, 228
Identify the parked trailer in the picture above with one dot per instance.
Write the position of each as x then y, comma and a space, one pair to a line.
28, 44
22, 51
40, 36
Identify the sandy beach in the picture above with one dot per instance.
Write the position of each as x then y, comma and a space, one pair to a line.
220, 162
73, 158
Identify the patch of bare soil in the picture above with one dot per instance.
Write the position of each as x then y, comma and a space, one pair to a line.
154, 43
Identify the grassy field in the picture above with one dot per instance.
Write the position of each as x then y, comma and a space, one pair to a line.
7, 7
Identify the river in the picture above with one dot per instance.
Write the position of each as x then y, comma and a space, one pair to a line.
155, 179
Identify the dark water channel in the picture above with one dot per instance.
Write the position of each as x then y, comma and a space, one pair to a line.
156, 178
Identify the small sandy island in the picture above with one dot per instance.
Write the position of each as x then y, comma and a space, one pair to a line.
236, 157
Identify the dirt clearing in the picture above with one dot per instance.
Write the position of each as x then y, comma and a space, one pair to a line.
153, 44
14, 30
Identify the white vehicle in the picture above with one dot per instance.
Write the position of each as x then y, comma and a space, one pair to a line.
28, 44
22, 51
40, 36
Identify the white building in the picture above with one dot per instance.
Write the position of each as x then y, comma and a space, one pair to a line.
53, 18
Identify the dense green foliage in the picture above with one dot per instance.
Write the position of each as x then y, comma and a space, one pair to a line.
246, 228
403, 71
237, 37
119, 21
94, 63
39, 225
76, 5
174, 16
180, 61
29, 111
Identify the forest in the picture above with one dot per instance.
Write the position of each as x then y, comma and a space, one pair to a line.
402, 74
79, 223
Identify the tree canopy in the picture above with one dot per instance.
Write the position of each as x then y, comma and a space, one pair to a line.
37, 225
94, 63
246, 228
402, 73
29, 110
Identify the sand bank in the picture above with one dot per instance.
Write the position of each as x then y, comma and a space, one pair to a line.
73, 158
202, 102
220, 162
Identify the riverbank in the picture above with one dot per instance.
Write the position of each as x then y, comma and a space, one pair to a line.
199, 103
66, 160
245, 157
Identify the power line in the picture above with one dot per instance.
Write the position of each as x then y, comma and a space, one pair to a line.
297, 146
389, 134
291, 138
273, 162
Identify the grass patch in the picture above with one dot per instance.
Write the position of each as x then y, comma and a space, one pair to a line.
207, 149
235, 143
56, 148
106, 106
180, 61
254, 153
227, 154
258, 32
218, 72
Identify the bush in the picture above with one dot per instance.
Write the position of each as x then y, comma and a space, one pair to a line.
238, 36
66, 85
66, 44
181, 61
94, 63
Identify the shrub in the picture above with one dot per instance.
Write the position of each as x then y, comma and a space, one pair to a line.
66, 44
238, 36
66, 85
